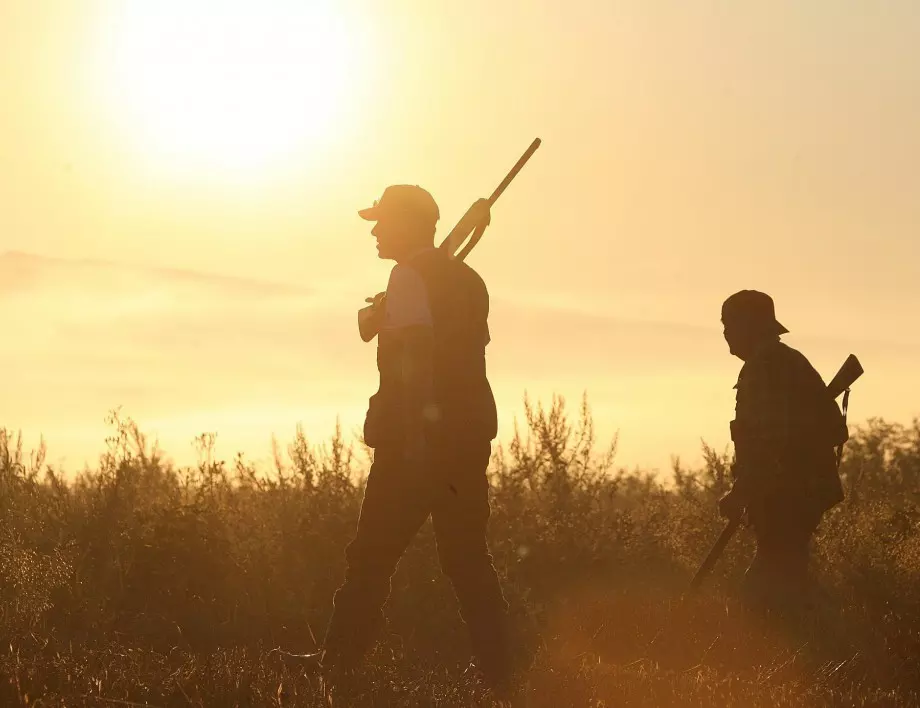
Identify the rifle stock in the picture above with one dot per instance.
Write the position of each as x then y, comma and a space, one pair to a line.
843, 379
848, 373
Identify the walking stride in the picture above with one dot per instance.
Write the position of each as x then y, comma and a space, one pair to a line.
786, 428
431, 424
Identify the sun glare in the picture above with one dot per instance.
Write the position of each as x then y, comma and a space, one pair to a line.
231, 86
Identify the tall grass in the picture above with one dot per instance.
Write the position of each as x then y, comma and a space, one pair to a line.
139, 583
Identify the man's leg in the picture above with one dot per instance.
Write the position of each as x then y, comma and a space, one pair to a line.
778, 577
460, 519
394, 508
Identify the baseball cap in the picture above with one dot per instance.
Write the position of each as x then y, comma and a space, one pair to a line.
751, 307
403, 200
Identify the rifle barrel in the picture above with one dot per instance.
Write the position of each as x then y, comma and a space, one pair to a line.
715, 552
514, 170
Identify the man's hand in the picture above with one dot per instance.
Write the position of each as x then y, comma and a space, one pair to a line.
481, 212
371, 317
478, 216
731, 506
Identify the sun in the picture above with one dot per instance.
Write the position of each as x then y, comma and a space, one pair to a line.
231, 86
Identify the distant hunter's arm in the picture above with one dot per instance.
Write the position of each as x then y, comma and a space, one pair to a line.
762, 433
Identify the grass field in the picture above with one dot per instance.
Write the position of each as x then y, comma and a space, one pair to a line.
137, 584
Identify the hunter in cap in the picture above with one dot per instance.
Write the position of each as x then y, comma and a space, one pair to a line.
431, 424
785, 431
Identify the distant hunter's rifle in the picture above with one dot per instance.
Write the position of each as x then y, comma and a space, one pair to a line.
848, 373
470, 226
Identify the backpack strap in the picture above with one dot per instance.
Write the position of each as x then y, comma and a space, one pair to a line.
846, 403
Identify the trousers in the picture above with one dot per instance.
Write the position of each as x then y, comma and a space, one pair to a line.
778, 579
398, 500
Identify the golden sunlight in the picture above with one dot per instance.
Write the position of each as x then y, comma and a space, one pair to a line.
231, 87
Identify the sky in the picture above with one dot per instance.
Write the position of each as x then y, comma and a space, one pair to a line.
180, 185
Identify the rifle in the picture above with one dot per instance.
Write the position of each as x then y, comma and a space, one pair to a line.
849, 372
843, 379
471, 226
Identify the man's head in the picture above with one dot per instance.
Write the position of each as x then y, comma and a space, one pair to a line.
406, 217
749, 320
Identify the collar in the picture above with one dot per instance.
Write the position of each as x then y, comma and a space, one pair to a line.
416, 253
765, 348
759, 354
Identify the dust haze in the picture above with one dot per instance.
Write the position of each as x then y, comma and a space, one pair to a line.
188, 352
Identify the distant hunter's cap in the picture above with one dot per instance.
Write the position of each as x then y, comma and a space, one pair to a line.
406, 200
751, 307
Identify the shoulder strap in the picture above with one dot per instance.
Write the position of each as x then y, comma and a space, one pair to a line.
846, 403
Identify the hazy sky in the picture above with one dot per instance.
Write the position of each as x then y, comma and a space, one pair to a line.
690, 149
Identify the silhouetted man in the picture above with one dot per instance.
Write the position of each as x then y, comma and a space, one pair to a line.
431, 423
785, 430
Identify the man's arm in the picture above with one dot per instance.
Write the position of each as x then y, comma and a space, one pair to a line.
761, 431
407, 332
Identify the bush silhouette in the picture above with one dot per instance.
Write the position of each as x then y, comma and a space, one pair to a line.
136, 581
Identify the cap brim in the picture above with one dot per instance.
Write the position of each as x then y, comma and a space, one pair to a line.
370, 214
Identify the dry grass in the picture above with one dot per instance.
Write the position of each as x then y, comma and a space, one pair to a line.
138, 584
